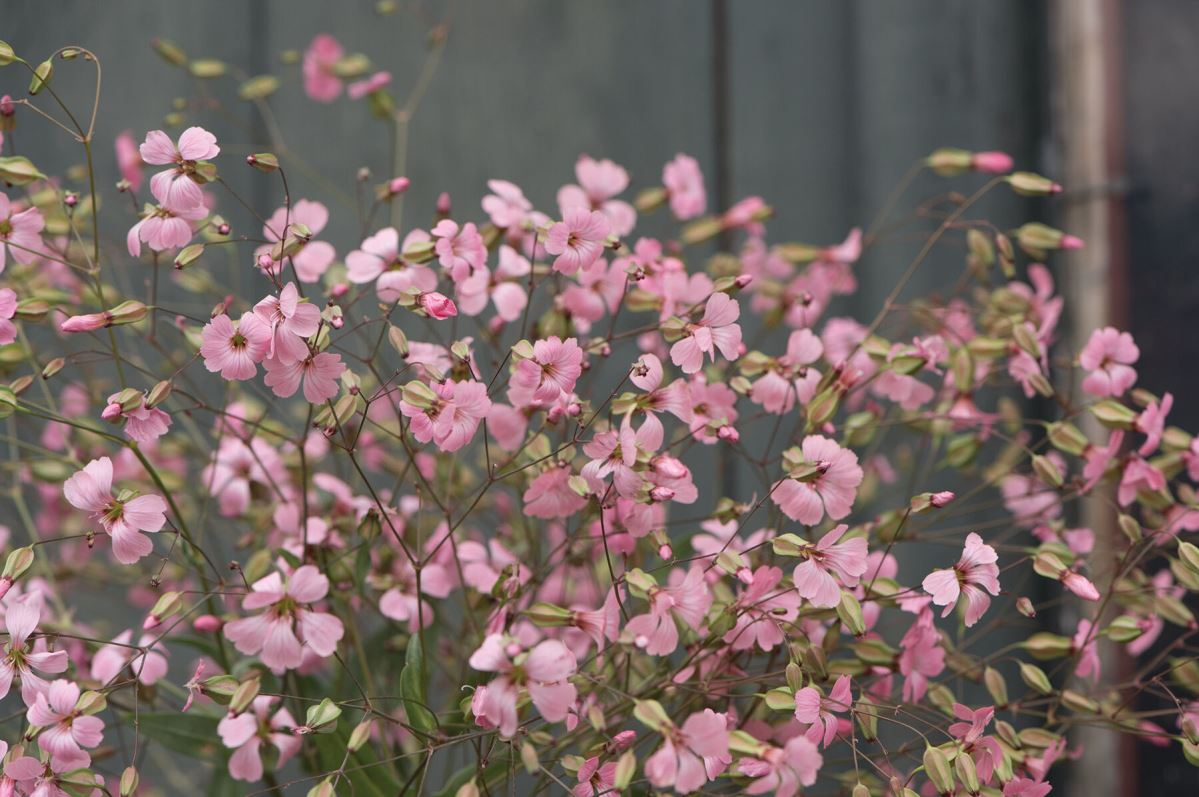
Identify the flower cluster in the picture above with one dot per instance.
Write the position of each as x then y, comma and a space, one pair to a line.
474, 526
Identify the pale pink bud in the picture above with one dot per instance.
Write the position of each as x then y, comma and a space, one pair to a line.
661, 494
1071, 242
728, 434
1080, 585
621, 741
150, 622
265, 261
5, 585
941, 499
992, 162
112, 412
743, 280
337, 322
85, 323
339, 290
398, 185
6, 106
665, 552
222, 229
745, 575
71, 199
206, 623
443, 204
438, 305
574, 410
669, 467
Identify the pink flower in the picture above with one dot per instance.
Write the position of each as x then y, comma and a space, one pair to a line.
64, 730
820, 712
380, 258
174, 187
687, 598
1109, 355
692, 755
685, 186
233, 350
832, 489
578, 240
8, 309
985, 750
991, 162
20, 659
455, 416
549, 374
599, 182
459, 250
110, 660
789, 377
246, 732
314, 257
20, 233
320, 82
129, 160
1086, 649
921, 656
91, 490
164, 226
716, 330
318, 372
370, 85
1152, 423
143, 424
544, 673
1138, 476
1080, 585
550, 495
813, 577
763, 611
595, 779
975, 572
437, 306
783, 770
615, 452
506, 205
273, 634
291, 323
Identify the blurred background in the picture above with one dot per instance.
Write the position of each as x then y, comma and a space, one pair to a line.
819, 107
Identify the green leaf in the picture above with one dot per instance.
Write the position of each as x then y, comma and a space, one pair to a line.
192, 735
414, 683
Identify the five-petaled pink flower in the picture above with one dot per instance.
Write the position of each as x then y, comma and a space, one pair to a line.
454, 417
1109, 356
814, 576
975, 572
321, 83
312, 259
687, 598
460, 250
831, 488
549, 374
20, 233
692, 755
143, 424
8, 309
291, 322
318, 372
20, 659
65, 730
273, 634
819, 712
234, 350
544, 672
685, 187
174, 187
163, 226
718, 329
123, 519
578, 240
246, 732
783, 770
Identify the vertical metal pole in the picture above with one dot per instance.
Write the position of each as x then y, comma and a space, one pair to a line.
1087, 104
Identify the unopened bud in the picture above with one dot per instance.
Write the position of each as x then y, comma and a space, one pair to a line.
264, 162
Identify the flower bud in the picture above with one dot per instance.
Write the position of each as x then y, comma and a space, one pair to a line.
129, 782
651, 714
444, 206
547, 615
996, 686
244, 695
1068, 438
963, 765
1029, 184
949, 161
169, 51
207, 624
1079, 585
1040, 237
991, 162
437, 306
1044, 645
127, 312
322, 718
169, 604
936, 766
53, 367
86, 323
1047, 471
188, 255
1035, 678
398, 185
